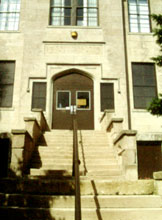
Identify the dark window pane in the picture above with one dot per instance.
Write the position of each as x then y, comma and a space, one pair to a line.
107, 96
80, 12
67, 2
6, 95
67, 21
144, 84
39, 95
67, 12
63, 99
80, 2
7, 72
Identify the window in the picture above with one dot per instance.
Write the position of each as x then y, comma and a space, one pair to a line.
74, 12
7, 72
63, 99
83, 100
39, 95
139, 20
9, 14
107, 96
144, 84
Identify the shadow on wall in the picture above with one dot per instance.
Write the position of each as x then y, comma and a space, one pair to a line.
34, 197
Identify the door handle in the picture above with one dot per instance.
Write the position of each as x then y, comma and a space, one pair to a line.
73, 109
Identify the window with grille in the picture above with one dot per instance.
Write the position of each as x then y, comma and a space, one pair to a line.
39, 95
74, 12
139, 19
144, 84
107, 96
7, 72
9, 15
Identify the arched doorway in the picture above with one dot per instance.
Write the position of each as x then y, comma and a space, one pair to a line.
73, 89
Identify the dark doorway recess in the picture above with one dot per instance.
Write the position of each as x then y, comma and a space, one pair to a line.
5, 152
73, 89
149, 158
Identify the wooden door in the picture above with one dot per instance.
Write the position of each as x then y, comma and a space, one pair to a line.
149, 158
73, 89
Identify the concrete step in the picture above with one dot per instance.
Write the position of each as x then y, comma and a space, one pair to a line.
91, 177
58, 156
87, 214
51, 172
104, 169
67, 149
50, 201
106, 172
48, 185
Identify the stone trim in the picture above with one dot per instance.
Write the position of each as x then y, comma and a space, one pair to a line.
157, 175
20, 132
124, 133
43, 125
27, 119
114, 120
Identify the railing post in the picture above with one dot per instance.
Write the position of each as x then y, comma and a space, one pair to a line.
76, 173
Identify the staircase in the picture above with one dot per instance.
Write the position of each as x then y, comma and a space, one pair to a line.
96, 154
48, 192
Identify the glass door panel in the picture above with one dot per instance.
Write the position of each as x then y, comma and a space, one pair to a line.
63, 100
83, 101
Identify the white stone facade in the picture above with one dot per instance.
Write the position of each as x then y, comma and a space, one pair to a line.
42, 51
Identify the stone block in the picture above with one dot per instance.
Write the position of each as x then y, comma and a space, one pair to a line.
33, 128
157, 175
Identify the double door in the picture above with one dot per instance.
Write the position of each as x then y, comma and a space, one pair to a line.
73, 90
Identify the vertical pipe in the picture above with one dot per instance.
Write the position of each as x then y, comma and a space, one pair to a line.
126, 66
76, 171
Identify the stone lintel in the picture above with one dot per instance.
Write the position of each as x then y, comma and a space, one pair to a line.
125, 133
157, 175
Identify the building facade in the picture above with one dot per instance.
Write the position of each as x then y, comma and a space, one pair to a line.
93, 54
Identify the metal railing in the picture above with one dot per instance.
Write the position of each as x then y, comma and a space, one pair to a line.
76, 173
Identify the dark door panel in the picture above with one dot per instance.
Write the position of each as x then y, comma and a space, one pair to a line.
73, 89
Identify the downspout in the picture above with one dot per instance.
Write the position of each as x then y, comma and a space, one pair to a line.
126, 66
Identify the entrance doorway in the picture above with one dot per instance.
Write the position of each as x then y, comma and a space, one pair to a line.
77, 90
5, 154
149, 158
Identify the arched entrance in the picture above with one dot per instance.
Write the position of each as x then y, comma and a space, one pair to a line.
73, 89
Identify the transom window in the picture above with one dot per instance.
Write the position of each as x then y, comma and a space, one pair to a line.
139, 19
74, 12
9, 14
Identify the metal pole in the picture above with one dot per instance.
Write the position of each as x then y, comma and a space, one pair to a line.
76, 171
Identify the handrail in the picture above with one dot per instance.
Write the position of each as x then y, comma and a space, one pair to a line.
76, 173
